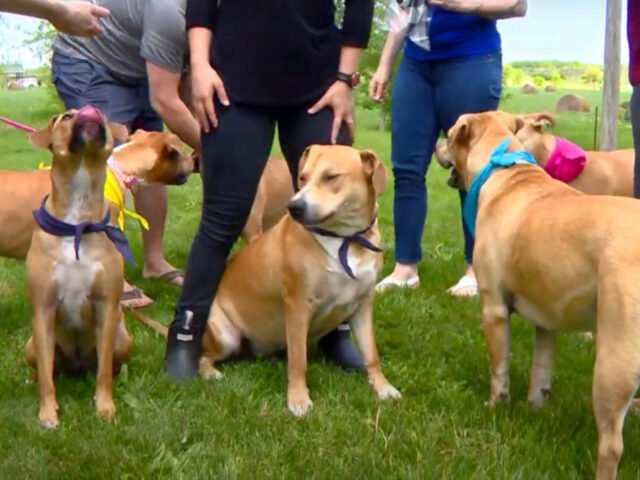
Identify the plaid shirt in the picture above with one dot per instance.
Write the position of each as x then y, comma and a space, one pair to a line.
412, 17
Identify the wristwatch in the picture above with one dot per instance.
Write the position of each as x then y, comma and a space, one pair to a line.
351, 79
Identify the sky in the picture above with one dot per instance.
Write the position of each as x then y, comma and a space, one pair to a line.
552, 30
560, 30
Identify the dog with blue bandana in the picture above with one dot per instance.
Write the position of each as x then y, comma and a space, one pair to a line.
74, 267
562, 259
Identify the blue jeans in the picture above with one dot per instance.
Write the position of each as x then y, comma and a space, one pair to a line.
122, 100
428, 98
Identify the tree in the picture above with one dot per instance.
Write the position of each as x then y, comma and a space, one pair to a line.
538, 81
556, 77
592, 75
41, 41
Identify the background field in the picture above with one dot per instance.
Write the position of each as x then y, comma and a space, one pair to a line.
431, 345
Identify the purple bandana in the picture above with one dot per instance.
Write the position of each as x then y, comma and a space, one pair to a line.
343, 251
56, 227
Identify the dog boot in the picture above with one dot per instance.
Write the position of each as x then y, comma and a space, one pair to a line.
184, 344
339, 348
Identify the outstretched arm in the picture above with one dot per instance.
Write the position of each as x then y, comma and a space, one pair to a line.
72, 17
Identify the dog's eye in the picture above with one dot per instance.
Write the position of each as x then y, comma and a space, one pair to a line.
302, 179
330, 177
67, 116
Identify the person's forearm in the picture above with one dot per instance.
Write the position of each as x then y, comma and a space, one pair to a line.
390, 49
180, 121
349, 59
199, 46
497, 9
44, 9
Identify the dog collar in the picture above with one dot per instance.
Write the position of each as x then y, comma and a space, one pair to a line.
343, 251
56, 227
566, 161
130, 181
500, 158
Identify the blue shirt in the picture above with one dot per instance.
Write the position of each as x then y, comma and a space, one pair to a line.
454, 34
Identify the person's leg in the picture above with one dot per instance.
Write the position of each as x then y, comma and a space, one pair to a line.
456, 95
635, 125
233, 157
297, 130
151, 202
414, 130
79, 82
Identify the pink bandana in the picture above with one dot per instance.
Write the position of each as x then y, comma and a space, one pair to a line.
566, 161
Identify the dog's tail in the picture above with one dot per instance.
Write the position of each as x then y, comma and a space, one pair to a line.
152, 324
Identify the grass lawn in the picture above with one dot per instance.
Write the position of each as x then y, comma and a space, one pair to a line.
431, 345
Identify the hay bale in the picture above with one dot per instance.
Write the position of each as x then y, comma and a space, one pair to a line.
550, 88
572, 103
529, 89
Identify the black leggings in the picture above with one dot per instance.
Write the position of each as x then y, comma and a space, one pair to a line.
635, 125
233, 157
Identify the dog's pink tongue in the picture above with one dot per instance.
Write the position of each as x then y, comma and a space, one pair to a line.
88, 114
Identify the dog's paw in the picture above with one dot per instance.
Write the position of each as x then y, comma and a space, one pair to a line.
502, 397
389, 392
106, 409
299, 405
212, 374
49, 418
539, 398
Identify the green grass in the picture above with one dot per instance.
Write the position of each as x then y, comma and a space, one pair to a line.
431, 345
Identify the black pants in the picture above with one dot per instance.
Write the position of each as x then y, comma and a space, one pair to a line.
635, 125
233, 157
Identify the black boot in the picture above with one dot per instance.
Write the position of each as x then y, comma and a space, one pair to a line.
339, 348
184, 344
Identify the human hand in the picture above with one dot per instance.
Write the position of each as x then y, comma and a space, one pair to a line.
78, 18
339, 98
379, 83
464, 6
205, 84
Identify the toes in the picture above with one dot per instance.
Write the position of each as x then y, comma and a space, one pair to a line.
389, 392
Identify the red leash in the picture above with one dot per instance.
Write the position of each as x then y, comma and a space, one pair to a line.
19, 126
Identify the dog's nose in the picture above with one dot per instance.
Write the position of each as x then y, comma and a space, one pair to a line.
297, 207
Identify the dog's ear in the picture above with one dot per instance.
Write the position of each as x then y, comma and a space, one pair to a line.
460, 132
303, 160
43, 138
374, 169
119, 132
543, 119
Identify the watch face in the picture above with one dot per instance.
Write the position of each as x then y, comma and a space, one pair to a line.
355, 79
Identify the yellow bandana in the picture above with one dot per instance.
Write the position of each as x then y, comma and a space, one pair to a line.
113, 193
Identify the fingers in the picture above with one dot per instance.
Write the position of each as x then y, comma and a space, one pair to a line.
319, 105
210, 113
335, 127
373, 88
99, 12
221, 92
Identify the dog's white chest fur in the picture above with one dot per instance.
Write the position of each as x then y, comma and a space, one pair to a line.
344, 290
73, 277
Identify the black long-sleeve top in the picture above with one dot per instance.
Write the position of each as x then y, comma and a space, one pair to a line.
279, 52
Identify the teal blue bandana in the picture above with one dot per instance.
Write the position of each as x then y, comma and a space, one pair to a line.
500, 158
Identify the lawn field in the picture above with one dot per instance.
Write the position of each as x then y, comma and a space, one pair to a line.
431, 346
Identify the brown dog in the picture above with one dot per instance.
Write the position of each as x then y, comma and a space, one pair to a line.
302, 290
147, 158
605, 173
583, 276
74, 284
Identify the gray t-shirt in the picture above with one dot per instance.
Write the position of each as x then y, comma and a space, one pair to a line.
135, 32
